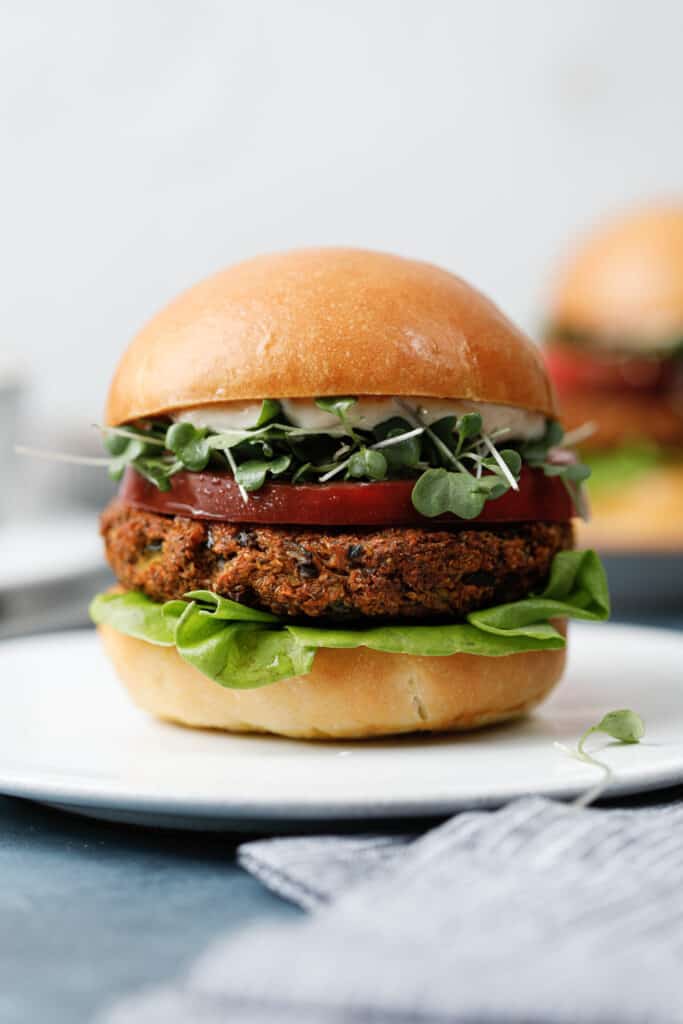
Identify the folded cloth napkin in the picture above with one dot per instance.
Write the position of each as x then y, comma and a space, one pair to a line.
537, 912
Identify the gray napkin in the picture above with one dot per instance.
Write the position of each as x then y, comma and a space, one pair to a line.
537, 912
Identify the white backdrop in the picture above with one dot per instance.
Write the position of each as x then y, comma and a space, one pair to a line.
145, 144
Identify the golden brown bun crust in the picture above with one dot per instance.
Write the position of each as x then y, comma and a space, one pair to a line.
327, 322
349, 694
646, 515
625, 281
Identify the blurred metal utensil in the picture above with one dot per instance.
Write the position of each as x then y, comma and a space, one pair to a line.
11, 389
50, 569
50, 607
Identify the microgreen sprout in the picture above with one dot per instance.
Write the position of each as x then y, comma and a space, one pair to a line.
416, 418
334, 472
579, 434
233, 467
501, 462
133, 435
78, 460
623, 725
456, 465
270, 407
397, 439
339, 407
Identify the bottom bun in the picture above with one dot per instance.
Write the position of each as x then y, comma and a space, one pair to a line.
646, 515
349, 694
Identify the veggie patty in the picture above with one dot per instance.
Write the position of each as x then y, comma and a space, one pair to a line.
332, 574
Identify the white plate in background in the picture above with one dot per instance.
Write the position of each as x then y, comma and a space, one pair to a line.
69, 737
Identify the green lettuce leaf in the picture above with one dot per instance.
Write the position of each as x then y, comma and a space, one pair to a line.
241, 647
240, 655
436, 641
615, 469
135, 615
576, 589
223, 608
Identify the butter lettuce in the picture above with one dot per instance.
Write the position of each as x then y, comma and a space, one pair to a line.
136, 615
242, 648
616, 468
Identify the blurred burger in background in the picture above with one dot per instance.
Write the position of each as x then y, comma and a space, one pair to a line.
614, 348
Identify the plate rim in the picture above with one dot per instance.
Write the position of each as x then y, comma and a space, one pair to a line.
323, 810
105, 795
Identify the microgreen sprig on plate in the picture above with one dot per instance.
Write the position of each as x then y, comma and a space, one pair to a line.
623, 725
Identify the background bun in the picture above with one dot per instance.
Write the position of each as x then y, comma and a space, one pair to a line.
624, 282
645, 515
327, 322
349, 694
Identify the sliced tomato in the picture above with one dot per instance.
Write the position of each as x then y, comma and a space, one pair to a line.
216, 496
574, 369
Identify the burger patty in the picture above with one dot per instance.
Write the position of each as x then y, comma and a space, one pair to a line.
333, 573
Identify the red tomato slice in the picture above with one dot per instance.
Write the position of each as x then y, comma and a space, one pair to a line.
216, 496
576, 370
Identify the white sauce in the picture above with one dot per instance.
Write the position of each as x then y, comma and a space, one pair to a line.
367, 412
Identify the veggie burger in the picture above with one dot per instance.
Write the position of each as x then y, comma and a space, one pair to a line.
345, 506
615, 353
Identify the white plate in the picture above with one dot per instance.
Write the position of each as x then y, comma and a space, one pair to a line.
69, 737
40, 552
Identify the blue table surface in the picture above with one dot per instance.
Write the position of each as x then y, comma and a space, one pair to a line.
91, 911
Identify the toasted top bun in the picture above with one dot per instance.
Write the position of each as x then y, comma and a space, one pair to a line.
317, 322
623, 284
